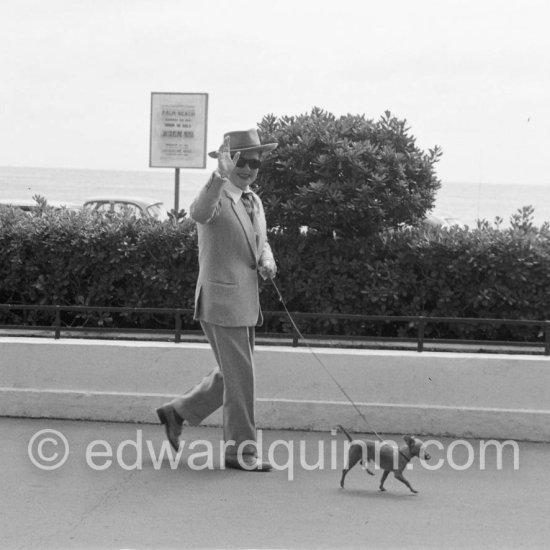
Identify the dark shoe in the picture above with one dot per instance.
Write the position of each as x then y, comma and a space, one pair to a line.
248, 464
172, 423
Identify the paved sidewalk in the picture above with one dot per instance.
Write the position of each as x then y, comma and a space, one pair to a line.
145, 503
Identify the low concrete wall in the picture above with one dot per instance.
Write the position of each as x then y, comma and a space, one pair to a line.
451, 394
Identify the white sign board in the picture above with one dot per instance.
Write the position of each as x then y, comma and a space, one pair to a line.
178, 130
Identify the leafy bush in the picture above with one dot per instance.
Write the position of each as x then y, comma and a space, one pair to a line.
348, 176
82, 258
482, 273
344, 196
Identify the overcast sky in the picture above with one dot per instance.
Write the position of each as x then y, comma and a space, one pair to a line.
472, 76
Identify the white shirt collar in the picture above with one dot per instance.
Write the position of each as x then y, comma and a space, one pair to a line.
235, 192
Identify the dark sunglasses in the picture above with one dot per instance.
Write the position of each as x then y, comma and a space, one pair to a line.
253, 163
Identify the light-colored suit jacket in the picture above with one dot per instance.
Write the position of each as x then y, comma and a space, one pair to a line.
231, 248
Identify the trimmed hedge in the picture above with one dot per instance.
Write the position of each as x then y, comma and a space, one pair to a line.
81, 258
77, 258
483, 273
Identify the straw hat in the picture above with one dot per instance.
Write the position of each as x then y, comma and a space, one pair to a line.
247, 140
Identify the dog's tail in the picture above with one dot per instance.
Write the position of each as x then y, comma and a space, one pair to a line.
345, 432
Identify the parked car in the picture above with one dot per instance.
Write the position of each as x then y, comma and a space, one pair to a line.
139, 207
28, 205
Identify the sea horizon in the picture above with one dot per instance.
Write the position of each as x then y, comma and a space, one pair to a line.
467, 201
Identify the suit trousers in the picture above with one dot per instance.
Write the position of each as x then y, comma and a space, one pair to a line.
230, 385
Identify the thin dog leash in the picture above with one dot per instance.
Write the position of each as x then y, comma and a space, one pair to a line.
281, 299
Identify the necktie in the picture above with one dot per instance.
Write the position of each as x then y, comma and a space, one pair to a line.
249, 203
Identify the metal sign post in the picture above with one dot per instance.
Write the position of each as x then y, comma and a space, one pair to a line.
177, 191
178, 133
